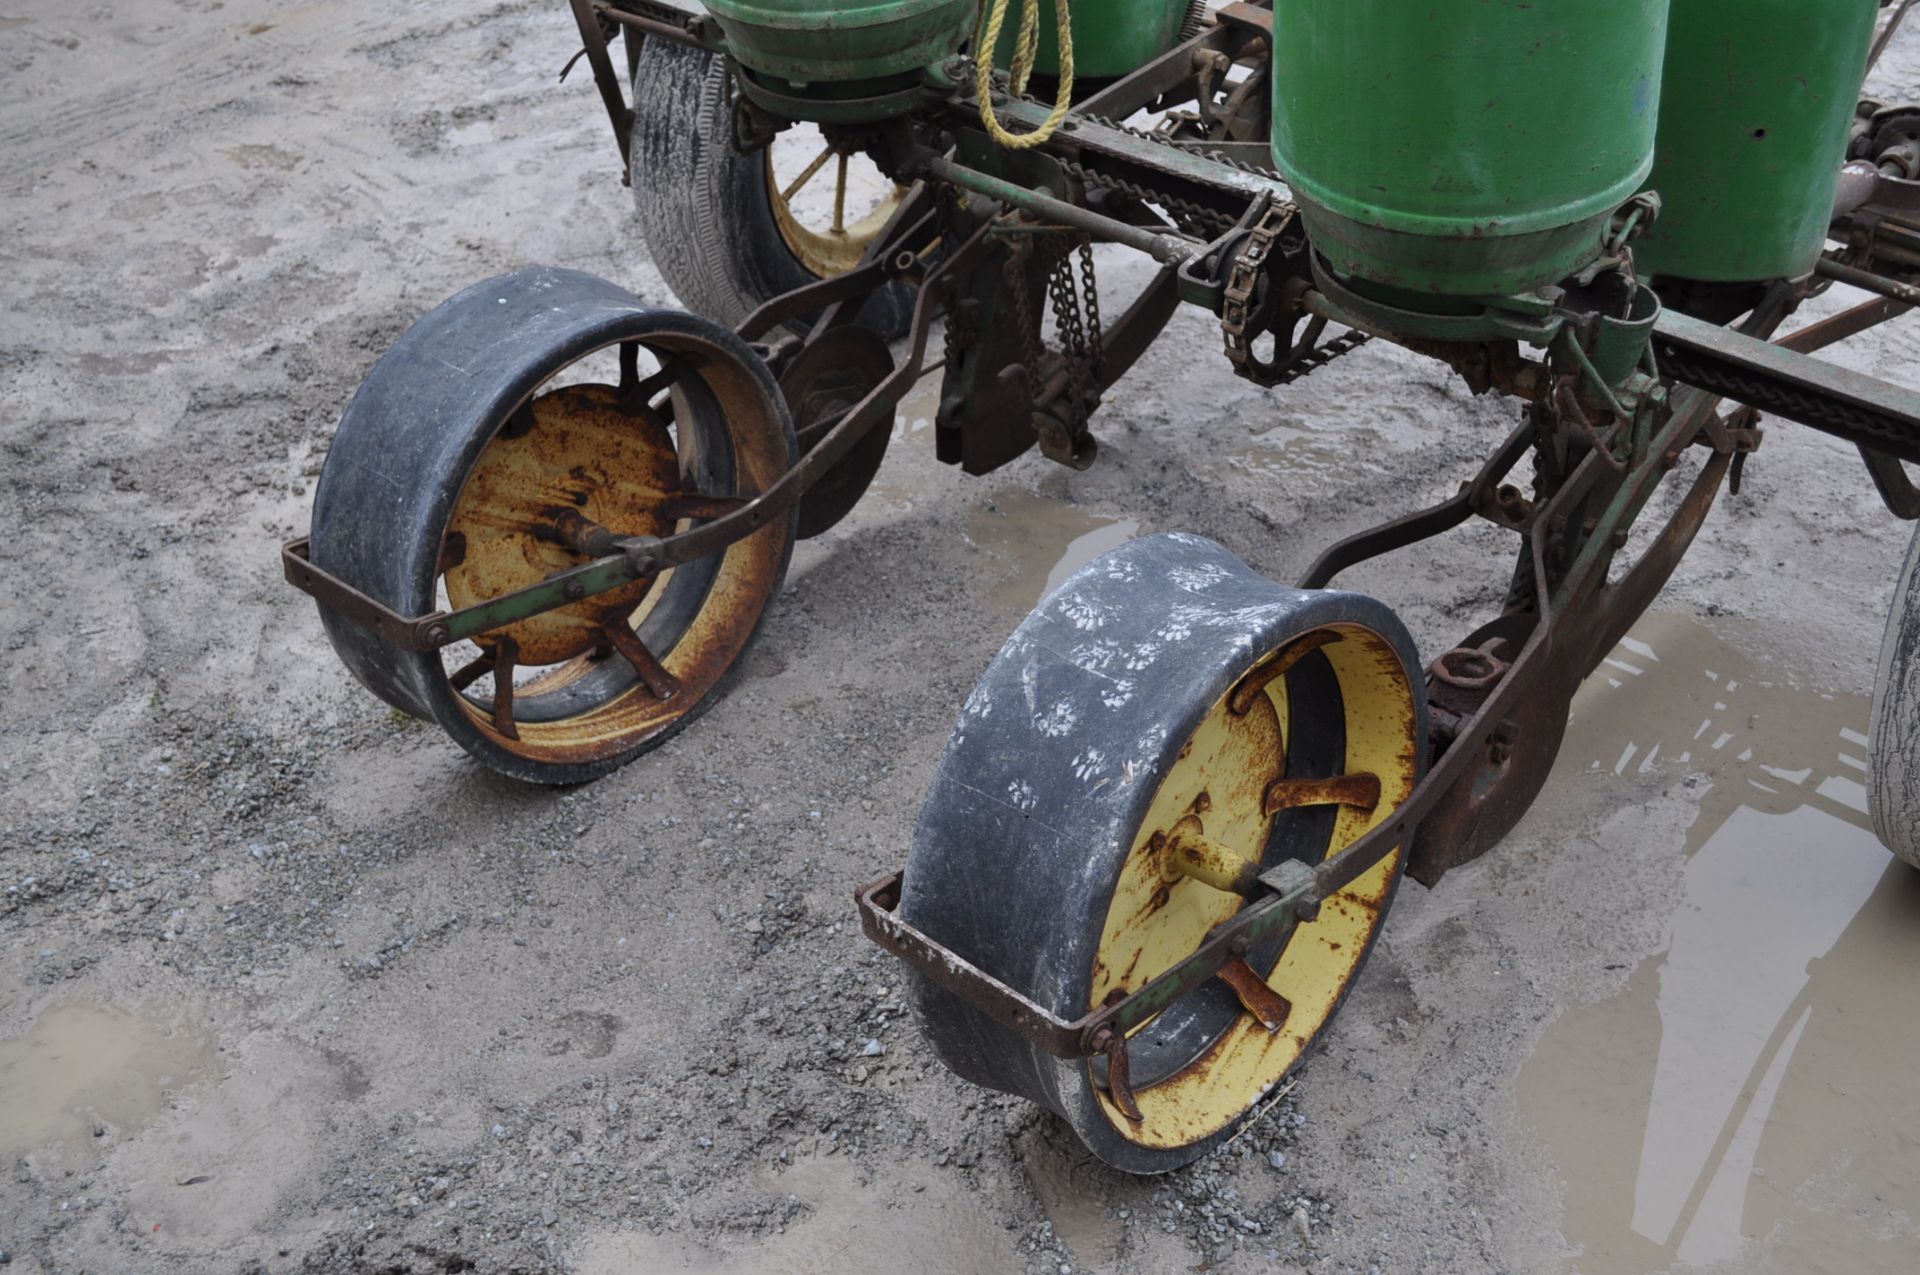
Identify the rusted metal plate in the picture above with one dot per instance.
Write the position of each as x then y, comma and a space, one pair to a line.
570, 455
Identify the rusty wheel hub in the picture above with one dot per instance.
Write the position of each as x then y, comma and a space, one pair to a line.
569, 465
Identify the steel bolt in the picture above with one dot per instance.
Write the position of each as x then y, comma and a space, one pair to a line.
439, 635
1619, 538
574, 590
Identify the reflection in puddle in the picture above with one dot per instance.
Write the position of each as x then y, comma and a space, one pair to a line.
1046, 540
1754, 1081
80, 1066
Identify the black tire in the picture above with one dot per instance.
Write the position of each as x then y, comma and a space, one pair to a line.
1039, 804
1893, 747
419, 425
704, 207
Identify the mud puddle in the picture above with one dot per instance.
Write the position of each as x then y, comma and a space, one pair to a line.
1045, 540
1748, 1098
82, 1067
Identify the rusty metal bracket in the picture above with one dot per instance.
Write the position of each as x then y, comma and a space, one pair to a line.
593, 39
409, 633
1290, 899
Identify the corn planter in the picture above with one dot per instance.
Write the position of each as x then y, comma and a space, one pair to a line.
1174, 812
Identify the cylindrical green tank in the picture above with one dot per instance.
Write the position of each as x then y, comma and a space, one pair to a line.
1755, 105
1111, 38
804, 43
1464, 148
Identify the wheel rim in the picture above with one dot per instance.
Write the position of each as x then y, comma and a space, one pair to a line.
1205, 1062
822, 222
603, 677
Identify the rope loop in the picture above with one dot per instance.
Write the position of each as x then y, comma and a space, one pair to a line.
1025, 54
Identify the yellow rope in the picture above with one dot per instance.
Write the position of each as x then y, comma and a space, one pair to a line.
1025, 53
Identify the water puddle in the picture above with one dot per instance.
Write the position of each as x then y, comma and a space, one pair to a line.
1297, 455
85, 1066
1045, 540
1748, 1098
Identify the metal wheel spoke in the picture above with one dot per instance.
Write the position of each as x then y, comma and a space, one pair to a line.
840, 199
1276, 666
506, 655
819, 162
467, 674
663, 684
636, 395
1360, 790
1265, 1004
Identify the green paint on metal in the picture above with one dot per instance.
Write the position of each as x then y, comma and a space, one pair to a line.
1111, 38
805, 43
1755, 107
595, 578
1472, 148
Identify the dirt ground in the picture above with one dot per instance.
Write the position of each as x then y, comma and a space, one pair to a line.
288, 984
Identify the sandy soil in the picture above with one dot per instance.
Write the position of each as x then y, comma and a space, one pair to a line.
290, 985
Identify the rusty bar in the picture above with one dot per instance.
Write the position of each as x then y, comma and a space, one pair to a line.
681, 34
1166, 247
877, 901
909, 225
1120, 1074
506, 655
1886, 32
595, 41
1265, 1004
1423, 524
1837, 328
1148, 84
1360, 790
410, 633
467, 674
662, 683
1276, 666
1867, 281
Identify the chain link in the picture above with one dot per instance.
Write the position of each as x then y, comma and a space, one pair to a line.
1090, 287
1855, 423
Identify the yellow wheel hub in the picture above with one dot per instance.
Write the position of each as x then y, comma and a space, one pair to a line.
1228, 777
571, 455
836, 247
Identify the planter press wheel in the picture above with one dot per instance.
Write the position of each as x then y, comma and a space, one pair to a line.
1893, 742
1164, 694
481, 456
728, 231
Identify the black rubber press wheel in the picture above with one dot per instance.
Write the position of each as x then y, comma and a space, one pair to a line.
1893, 744
1164, 691
729, 231
500, 426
